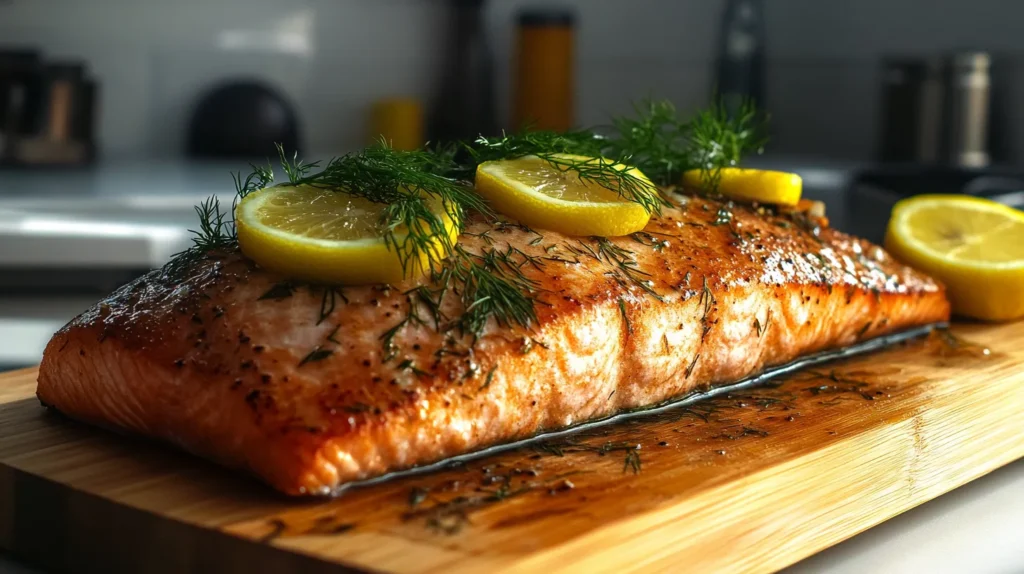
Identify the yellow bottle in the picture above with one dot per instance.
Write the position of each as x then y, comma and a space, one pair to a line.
399, 121
544, 81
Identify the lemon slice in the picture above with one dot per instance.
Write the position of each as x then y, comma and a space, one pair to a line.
974, 246
764, 186
324, 236
541, 195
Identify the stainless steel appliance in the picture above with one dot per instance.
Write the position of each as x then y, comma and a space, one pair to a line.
936, 110
873, 192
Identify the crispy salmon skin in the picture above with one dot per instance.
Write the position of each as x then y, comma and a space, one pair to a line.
309, 387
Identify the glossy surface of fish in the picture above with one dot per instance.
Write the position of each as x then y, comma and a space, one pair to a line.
310, 387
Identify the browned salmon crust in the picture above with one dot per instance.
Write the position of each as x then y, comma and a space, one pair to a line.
290, 383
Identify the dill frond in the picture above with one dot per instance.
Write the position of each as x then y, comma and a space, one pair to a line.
411, 186
655, 140
553, 147
719, 140
216, 228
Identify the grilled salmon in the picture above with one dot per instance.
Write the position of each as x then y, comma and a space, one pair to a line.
309, 387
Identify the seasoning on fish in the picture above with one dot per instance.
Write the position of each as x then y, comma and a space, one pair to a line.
309, 387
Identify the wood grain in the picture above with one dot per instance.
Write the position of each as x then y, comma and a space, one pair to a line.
748, 482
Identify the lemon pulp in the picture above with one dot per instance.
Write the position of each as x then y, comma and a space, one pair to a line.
326, 236
541, 195
321, 214
974, 246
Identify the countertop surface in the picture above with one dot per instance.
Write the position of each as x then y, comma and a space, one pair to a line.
972, 529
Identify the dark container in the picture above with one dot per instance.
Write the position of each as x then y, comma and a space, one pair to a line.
464, 105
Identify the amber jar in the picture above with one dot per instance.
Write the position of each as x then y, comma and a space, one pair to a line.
399, 121
544, 82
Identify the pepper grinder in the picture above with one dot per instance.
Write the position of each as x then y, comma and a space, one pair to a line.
740, 62
464, 108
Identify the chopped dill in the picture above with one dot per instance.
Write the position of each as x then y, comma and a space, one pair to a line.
625, 316
761, 329
560, 448
409, 365
627, 270
279, 291
317, 354
487, 381
707, 299
632, 460
329, 301
864, 329
491, 286
387, 339
693, 363
648, 239
331, 336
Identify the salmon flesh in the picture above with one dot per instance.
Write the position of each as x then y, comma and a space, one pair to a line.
311, 387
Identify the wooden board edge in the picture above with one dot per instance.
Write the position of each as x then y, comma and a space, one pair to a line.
796, 523
127, 539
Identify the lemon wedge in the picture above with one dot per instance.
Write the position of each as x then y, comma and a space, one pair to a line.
764, 186
975, 246
541, 195
325, 236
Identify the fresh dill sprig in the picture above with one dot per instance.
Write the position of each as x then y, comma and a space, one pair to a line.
216, 228
655, 140
718, 139
510, 146
491, 285
610, 174
294, 168
663, 145
410, 186
259, 178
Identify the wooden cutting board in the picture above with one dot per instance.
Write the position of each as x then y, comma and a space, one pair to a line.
748, 482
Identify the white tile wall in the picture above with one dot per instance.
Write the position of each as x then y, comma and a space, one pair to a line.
332, 58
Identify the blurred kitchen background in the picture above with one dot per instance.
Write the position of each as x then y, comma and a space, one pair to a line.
116, 116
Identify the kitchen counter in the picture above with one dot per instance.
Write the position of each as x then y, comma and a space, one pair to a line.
974, 528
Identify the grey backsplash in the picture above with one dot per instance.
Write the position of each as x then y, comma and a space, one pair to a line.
332, 58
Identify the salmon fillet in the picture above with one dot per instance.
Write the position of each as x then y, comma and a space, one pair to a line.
310, 387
